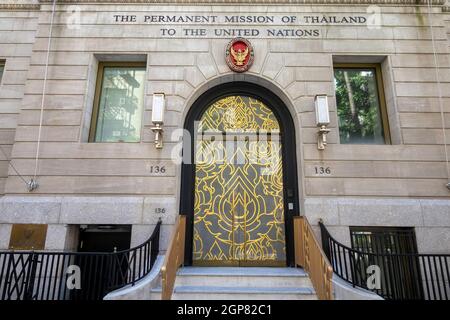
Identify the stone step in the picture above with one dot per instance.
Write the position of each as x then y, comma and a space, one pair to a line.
254, 271
155, 293
243, 277
238, 293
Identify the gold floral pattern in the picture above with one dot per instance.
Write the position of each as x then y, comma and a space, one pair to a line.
238, 208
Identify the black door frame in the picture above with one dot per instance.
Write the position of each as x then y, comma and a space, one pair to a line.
290, 178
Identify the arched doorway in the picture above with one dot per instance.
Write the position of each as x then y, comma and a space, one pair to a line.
240, 191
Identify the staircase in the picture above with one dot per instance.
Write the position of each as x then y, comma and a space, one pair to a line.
233, 283
247, 283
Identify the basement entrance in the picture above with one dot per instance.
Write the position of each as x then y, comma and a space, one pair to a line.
104, 238
94, 270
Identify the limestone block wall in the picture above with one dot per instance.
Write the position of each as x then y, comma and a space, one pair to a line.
429, 217
18, 26
414, 165
111, 182
446, 12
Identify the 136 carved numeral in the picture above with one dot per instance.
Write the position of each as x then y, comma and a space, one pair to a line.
157, 169
160, 210
322, 170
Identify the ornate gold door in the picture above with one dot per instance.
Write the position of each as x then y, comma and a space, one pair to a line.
238, 208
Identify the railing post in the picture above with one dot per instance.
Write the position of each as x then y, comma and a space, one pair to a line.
310, 256
305, 245
298, 242
329, 288
154, 246
174, 258
182, 240
7, 275
134, 266
325, 239
29, 280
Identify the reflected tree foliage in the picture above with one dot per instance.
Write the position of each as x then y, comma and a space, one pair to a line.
358, 106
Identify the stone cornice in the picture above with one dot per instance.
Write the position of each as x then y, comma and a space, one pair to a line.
263, 2
18, 6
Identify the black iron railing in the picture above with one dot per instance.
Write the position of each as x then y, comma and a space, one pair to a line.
74, 275
402, 276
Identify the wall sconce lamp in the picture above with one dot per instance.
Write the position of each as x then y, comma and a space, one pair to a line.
322, 119
159, 104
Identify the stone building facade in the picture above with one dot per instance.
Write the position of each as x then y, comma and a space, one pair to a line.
401, 183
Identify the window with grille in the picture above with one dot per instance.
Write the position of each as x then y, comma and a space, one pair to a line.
394, 251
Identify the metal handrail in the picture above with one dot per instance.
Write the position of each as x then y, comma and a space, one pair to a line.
45, 275
174, 258
402, 276
309, 255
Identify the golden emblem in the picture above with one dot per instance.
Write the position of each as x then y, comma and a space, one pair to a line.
239, 56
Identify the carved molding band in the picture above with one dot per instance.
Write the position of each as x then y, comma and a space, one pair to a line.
17, 6
265, 2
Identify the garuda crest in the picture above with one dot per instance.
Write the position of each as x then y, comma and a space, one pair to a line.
239, 55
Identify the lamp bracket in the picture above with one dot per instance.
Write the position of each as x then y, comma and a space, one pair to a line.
158, 130
322, 137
